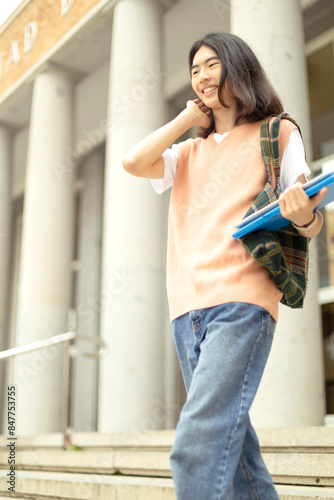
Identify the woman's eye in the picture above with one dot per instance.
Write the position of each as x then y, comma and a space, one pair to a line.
213, 64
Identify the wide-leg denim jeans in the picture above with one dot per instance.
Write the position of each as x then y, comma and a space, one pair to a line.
223, 351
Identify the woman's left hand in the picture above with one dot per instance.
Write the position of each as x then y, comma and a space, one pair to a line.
297, 207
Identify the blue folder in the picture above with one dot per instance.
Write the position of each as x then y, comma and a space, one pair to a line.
269, 218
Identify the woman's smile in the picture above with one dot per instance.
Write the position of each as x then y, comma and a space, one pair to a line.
209, 90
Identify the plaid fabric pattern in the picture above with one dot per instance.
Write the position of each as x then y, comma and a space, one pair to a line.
283, 253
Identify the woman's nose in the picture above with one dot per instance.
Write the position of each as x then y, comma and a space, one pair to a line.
203, 75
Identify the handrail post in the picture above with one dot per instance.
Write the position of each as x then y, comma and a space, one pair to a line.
72, 326
66, 392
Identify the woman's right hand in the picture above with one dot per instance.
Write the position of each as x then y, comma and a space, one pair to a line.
145, 158
201, 115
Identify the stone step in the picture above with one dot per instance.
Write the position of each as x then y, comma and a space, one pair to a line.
314, 469
304, 493
302, 457
155, 440
310, 439
37, 485
142, 463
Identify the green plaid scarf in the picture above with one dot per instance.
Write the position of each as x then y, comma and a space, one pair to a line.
284, 253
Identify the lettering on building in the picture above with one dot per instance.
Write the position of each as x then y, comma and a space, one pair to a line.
22, 46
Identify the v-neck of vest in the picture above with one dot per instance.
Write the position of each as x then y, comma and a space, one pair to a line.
225, 139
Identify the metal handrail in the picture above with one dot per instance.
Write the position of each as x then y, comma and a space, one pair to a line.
33, 346
68, 354
57, 339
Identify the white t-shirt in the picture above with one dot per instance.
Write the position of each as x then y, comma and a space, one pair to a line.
293, 163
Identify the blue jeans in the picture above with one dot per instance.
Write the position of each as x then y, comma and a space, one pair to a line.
222, 351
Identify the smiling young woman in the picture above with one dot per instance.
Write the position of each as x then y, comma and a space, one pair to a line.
223, 304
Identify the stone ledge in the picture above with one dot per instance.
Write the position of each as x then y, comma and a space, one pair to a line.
53, 485
293, 439
96, 440
312, 469
64, 486
285, 439
40, 441
304, 493
142, 463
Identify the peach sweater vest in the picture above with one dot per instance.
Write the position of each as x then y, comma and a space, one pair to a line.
214, 186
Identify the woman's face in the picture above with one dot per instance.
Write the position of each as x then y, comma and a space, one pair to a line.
205, 77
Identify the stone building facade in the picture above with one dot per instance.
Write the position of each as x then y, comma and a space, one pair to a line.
81, 81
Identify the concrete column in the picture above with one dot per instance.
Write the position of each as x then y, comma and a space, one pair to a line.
5, 240
5, 223
46, 253
85, 369
292, 390
133, 274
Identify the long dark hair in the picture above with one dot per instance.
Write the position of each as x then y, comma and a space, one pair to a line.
255, 96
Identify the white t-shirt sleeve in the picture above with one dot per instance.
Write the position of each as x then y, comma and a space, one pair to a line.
171, 157
293, 162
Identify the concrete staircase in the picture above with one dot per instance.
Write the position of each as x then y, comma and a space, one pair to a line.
135, 466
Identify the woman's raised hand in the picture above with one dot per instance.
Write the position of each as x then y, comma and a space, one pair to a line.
200, 113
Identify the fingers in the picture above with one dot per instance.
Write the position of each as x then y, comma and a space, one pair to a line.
190, 102
200, 113
204, 108
199, 104
295, 205
319, 197
294, 197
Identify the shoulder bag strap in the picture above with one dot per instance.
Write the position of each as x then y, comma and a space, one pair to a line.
270, 146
